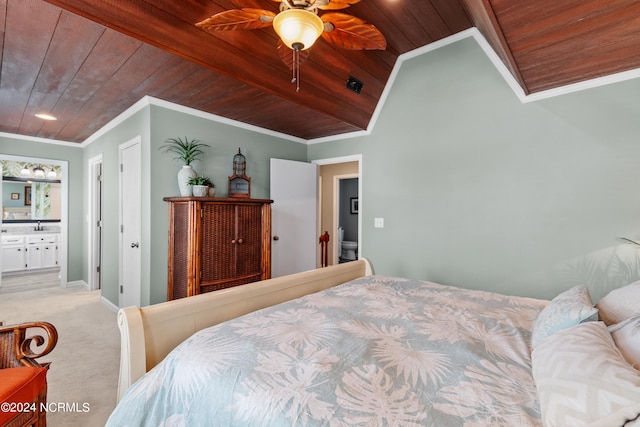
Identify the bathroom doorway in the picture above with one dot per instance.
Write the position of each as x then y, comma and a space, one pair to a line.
34, 222
348, 208
332, 172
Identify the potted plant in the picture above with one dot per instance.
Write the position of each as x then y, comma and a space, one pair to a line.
200, 185
187, 151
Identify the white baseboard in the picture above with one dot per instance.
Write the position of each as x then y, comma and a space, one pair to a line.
111, 306
78, 283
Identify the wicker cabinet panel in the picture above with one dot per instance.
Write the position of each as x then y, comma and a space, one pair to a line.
217, 243
178, 252
249, 260
218, 233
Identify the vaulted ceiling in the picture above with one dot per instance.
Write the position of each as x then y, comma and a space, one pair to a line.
87, 61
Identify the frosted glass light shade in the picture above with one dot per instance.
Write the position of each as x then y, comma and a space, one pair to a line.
38, 172
298, 28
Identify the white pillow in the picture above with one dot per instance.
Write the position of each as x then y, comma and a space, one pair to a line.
626, 335
583, 380
568, 309
620, 304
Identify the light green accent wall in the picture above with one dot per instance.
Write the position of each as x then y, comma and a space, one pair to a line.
73, 155
482, 191
224, 141
476, 188
107, 145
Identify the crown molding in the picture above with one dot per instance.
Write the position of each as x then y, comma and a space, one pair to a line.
469, 33
37, 139
500, 67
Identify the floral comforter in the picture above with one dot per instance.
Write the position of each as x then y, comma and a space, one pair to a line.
376, 351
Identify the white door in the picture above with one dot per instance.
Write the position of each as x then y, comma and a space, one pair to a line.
294, 216
95, 223
130, 222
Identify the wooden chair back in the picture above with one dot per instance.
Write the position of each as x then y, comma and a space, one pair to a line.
324, 249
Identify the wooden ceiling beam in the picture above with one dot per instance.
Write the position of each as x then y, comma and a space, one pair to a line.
157, 27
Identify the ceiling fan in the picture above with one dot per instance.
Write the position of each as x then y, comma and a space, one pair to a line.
298, 25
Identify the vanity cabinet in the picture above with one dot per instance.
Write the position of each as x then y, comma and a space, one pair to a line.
13, 253
29, 252
42, 251
217, 243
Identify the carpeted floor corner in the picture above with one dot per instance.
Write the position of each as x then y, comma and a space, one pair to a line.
83, 377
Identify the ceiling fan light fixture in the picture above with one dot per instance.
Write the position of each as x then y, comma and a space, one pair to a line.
298, 28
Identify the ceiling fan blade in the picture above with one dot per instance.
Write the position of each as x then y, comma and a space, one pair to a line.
349, 32
337, 4
286, 54
238, 19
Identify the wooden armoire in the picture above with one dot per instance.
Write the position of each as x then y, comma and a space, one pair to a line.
217, 243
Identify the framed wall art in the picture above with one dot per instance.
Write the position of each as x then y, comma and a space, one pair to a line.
354, 205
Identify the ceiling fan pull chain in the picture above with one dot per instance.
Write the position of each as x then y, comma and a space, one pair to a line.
295, 69
293, 66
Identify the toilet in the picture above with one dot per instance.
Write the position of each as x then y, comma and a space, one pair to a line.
349, 250
346, 249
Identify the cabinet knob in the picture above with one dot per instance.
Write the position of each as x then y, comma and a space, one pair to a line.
240, 241
276, 237
233, 241
135, 245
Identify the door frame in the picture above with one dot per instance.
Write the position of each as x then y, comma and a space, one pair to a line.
361, 205
64, 208
336, 211
95, 215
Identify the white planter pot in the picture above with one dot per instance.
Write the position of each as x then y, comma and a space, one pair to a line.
200, 190
183, 178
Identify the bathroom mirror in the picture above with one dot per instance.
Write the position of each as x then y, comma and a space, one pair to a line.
30, 200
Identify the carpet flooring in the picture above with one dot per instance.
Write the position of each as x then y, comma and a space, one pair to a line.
83, 377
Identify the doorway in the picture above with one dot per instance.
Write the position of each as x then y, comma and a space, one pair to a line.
95, 222
347, 213
332, 172
319, 197
51, 178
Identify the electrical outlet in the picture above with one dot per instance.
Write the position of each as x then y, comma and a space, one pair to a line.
378, 222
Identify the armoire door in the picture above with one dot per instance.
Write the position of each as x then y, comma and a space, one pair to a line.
248, 247
217, 261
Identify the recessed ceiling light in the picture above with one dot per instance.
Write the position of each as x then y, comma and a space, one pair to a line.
44, 116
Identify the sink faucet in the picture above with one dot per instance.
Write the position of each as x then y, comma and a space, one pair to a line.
38, 227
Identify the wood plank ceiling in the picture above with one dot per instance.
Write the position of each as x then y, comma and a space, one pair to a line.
86, 61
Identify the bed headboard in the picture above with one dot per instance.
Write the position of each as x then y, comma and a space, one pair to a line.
148, 334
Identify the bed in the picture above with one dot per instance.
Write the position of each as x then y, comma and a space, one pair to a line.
340, 346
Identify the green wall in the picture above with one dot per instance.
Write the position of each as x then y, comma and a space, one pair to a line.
482, 191
107, 145
476, 188
154, 125
73, 155
224, 141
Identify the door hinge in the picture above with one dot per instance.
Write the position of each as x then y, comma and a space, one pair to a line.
100, 177
121, 289
98, 269
121, 167
122, 228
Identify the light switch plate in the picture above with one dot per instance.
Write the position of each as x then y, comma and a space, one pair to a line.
378, 222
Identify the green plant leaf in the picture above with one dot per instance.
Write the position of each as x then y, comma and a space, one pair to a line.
186, 150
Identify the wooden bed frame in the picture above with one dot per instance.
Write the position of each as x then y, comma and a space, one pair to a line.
148, 334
